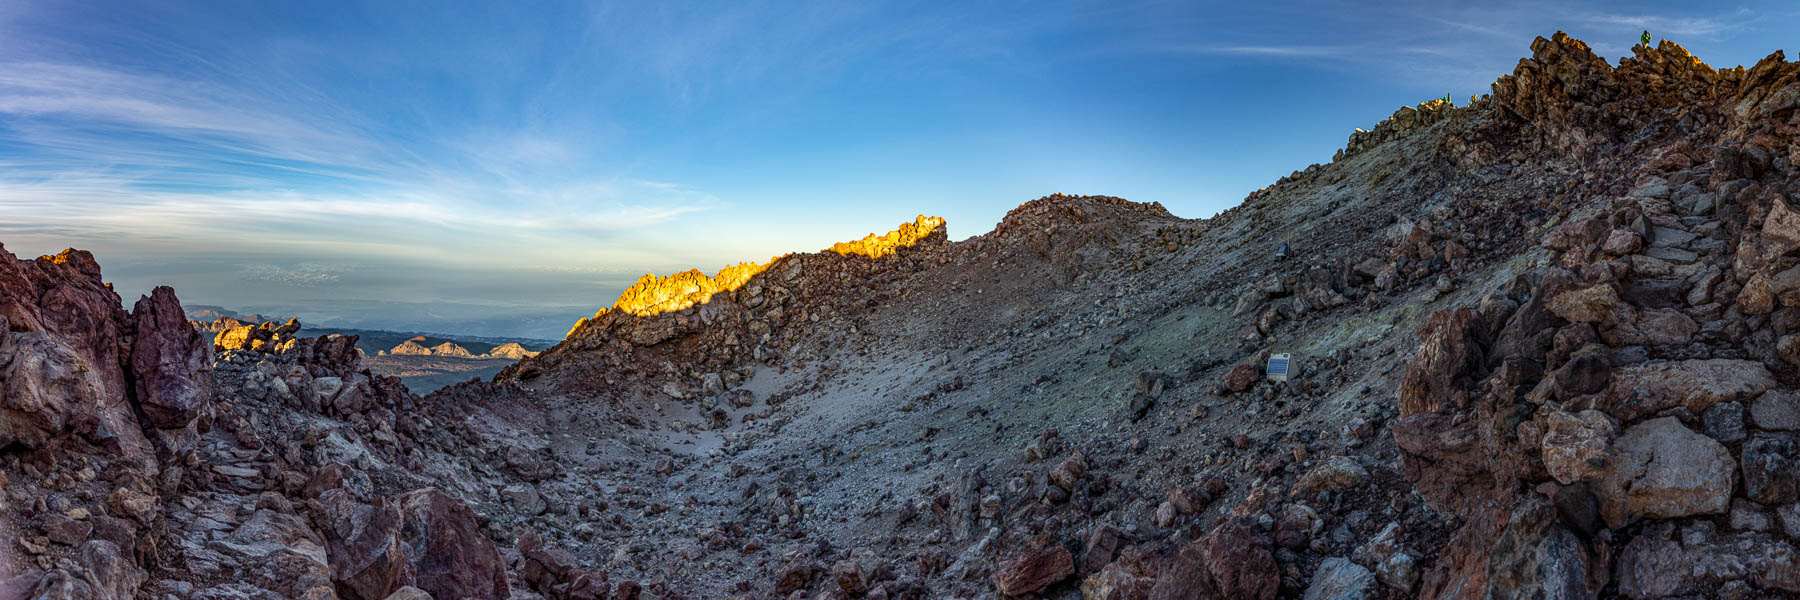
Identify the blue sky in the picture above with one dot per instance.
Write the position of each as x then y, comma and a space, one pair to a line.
534, 157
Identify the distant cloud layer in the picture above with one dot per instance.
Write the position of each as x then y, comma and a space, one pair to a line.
309, 274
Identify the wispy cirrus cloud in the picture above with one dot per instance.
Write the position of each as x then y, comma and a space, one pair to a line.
1706, 26
1276, 51
221, 150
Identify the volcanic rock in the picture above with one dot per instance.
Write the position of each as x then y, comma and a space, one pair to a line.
1661, 469
422, 538
171, 363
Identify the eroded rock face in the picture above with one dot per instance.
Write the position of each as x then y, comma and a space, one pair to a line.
64, 335
1451, 346
171, 363
1663, 562
1661, 469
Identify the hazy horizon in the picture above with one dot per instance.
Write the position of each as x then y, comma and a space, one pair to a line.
423, 163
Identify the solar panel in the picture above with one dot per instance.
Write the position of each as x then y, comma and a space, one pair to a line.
1278, 367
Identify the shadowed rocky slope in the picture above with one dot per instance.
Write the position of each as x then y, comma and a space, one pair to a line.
1544, 345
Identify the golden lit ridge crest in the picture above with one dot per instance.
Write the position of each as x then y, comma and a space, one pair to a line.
653, 295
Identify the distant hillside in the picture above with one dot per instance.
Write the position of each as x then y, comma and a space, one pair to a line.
511, 350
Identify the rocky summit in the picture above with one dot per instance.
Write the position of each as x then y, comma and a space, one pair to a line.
1544, 345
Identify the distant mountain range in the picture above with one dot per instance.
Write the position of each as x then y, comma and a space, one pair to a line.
462, 319
423, 361
416, 347
372, 342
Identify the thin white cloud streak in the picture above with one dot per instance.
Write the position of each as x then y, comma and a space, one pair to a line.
1660, 25
1436, 48
106, 141
416, 228
1277, 51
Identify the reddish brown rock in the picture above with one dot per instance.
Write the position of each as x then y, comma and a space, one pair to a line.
1621, 242
61, 334
1188, 500
1045, 563
1230, 562
1575, 444
1450, 348
1102, 545
1576, 234
544, 569
1070, 471
170, 362
1240, 378
1332, 473
1781, 227
850, 578
1659, 563
1596, 304
1114, 582
1638, 391
1758, 296
796, 575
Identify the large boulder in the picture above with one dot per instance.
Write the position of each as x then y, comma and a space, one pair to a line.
278, 552
422, 538
171, 363
1640, 391
62, 330
1232, 561
1696, 562
261, 337
1598, 304
1535, 557
1661, 469
1044, 563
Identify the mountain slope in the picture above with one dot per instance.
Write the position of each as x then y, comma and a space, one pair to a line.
1424, 296
1542, 347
